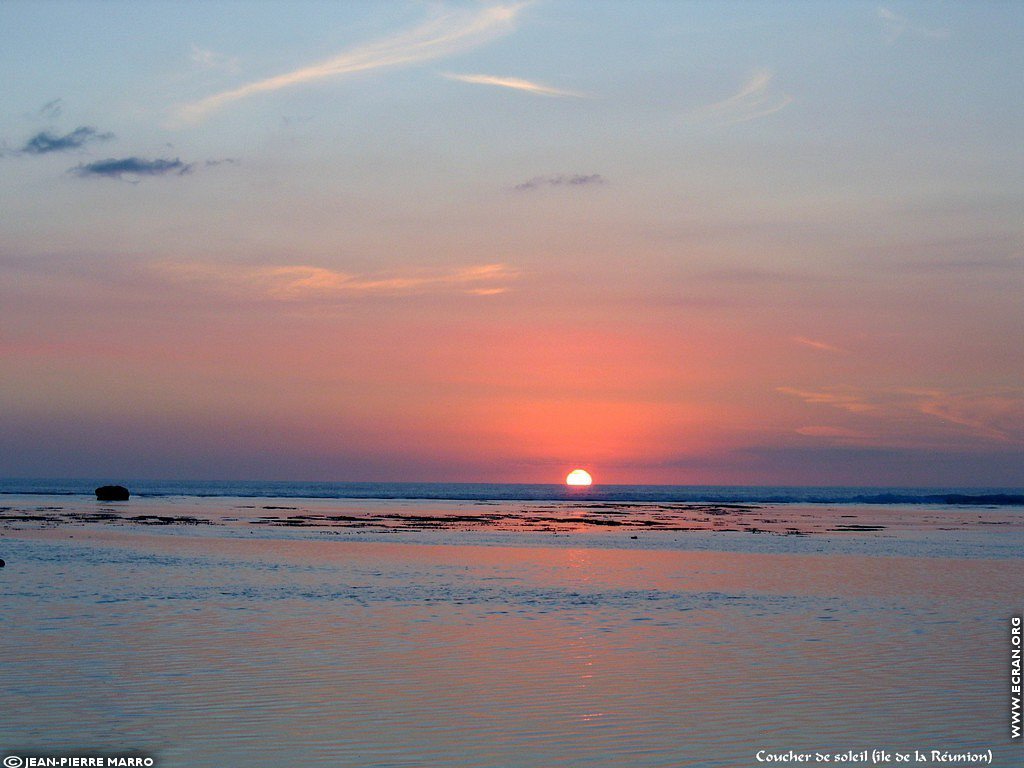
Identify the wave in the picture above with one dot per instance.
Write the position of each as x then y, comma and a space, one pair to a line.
983, 499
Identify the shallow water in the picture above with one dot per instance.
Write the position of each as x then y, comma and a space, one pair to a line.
223, 645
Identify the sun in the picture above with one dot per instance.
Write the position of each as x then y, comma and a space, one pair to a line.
578, 477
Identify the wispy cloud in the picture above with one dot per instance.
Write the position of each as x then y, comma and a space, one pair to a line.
998, 415
515, 83
846, 399
575, 180
118, 168
207, 59
815, 344
446, 34
895, 26
52, 109
755, 99
45, 142
303, 282
742, 275
826, 431
958, 268
991, 414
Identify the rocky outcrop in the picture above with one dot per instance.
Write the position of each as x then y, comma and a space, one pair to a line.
112, 493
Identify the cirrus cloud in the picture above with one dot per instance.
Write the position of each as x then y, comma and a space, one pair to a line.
444, 35
896, 25
754, 100
830, 431
515, 83
822, 346
995, 414
300, 282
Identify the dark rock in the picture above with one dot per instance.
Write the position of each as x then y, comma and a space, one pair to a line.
112, 493
2, 563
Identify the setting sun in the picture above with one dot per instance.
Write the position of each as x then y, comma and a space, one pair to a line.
579, 477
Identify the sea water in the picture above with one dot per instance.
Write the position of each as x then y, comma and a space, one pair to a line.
524, 492
240, 643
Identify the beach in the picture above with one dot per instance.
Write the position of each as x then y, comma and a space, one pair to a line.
216, 632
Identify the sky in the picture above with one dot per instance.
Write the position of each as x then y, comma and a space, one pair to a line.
677, 242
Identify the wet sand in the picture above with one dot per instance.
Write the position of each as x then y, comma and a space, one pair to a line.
18, 512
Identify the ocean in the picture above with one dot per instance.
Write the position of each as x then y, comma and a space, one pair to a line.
505, 626
525, 492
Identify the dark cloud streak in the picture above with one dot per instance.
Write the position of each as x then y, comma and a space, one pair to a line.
51, 110
116, 168
577, 180
45, 142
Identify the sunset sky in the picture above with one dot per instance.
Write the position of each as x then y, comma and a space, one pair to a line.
674, 242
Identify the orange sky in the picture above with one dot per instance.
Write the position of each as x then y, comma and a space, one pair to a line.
480, 258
